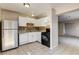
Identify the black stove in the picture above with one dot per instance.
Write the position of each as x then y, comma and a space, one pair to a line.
45, 38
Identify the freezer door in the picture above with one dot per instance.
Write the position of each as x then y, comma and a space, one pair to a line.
9, 39
9, 24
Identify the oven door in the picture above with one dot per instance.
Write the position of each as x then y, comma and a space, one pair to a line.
45, 39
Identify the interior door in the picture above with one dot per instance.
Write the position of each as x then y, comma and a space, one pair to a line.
9, 39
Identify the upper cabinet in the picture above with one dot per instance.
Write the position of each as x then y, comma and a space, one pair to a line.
24, 20
44, 21
36, 22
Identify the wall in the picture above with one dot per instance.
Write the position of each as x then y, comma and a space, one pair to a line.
9, 15
53, 28
61, 28
71, 34
72, 29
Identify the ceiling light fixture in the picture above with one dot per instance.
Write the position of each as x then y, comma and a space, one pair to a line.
32, 14
26, 5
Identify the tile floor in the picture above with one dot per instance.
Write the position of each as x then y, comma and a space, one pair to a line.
39, 49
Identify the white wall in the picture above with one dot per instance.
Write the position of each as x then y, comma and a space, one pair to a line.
72, 29
61, 28
53, 28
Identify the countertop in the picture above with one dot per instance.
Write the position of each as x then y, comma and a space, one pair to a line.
24, 31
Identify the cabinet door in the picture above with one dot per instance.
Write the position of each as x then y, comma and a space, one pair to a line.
32, 37
23, 21
33, 21
35, 36
23, 38
36, 23
42, 21
38, 36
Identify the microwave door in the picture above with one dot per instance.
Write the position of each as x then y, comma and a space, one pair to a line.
9, 24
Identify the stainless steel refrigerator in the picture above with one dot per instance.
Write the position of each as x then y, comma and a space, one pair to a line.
9, 34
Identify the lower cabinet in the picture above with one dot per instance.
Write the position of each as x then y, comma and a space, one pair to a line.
32, 37
38, 36
29, 37
23, 38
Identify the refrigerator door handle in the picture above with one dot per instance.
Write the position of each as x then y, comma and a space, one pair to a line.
2, 25
3, 28
2, 33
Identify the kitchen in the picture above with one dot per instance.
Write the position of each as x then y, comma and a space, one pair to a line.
19, 29
32, 30
25, 29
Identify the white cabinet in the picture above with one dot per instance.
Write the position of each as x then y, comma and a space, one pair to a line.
24, 20
42, 22
29, 37
23, 38
34, 36
37, 22
38, 36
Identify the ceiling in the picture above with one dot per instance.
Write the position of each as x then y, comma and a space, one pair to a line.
39, 9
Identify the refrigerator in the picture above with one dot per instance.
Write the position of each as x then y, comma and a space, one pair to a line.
9, 29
